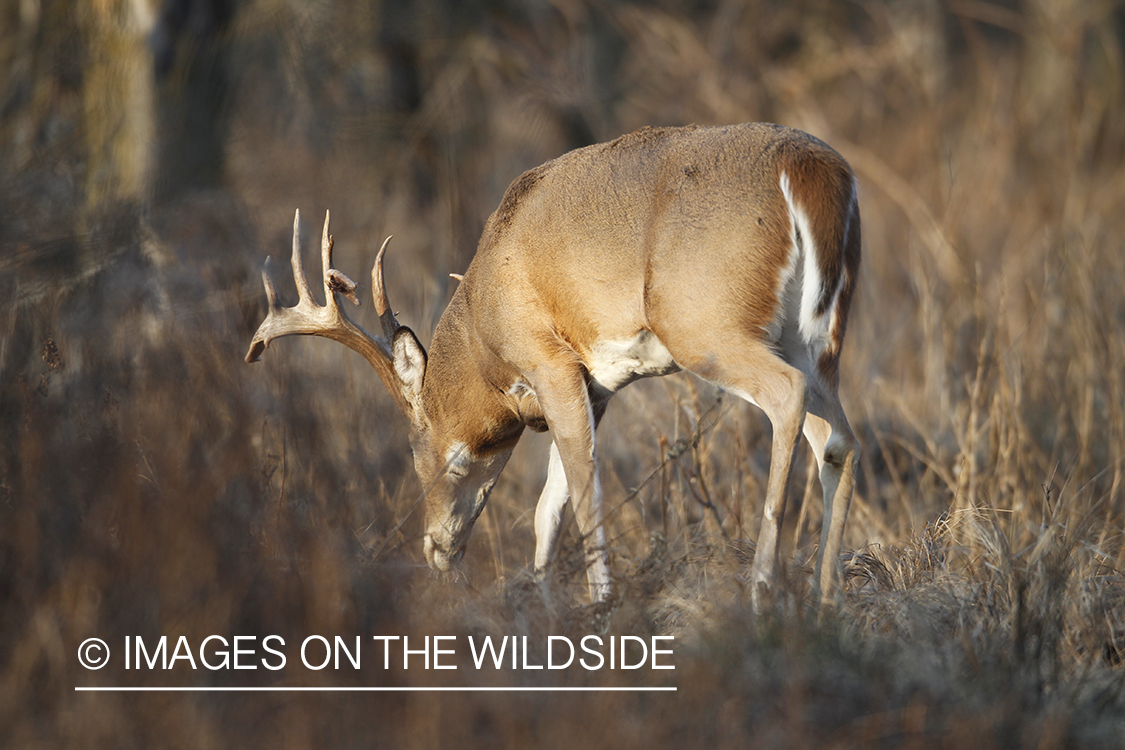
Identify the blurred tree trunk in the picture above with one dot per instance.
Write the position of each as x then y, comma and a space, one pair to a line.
119, 96
191, 60
156, 95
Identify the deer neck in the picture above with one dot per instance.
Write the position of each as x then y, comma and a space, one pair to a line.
465, 394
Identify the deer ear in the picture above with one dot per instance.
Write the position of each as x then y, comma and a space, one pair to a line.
410, 364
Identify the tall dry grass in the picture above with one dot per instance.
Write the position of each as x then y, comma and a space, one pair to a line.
151, 483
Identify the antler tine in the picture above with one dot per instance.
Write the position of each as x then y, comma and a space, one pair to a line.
267, 281
334, 281
261, 338
379, 293
299, 278
326, 262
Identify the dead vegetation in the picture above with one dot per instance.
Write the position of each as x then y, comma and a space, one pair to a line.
151, 483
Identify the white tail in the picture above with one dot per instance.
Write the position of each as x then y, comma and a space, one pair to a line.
729, 252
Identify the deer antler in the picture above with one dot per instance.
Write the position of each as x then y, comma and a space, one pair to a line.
329, 320
379, 294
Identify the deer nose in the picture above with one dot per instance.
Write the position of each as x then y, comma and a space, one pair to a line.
438, 557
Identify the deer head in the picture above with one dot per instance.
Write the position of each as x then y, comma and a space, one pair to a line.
457, 467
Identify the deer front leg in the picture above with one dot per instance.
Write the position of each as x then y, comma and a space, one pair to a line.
571, 419
552, 502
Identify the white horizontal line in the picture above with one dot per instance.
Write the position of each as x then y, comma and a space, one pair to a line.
446, 689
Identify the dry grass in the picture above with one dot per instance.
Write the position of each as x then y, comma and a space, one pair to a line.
150, 483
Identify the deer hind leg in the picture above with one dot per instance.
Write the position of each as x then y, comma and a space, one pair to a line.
837, 453
780, 390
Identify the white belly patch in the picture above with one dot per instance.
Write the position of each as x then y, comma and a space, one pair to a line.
615, 364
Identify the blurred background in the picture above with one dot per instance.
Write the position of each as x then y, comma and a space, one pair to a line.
152, 153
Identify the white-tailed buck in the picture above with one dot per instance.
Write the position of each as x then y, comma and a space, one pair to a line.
729, 252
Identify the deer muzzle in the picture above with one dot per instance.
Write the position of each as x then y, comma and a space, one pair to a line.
440, 558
